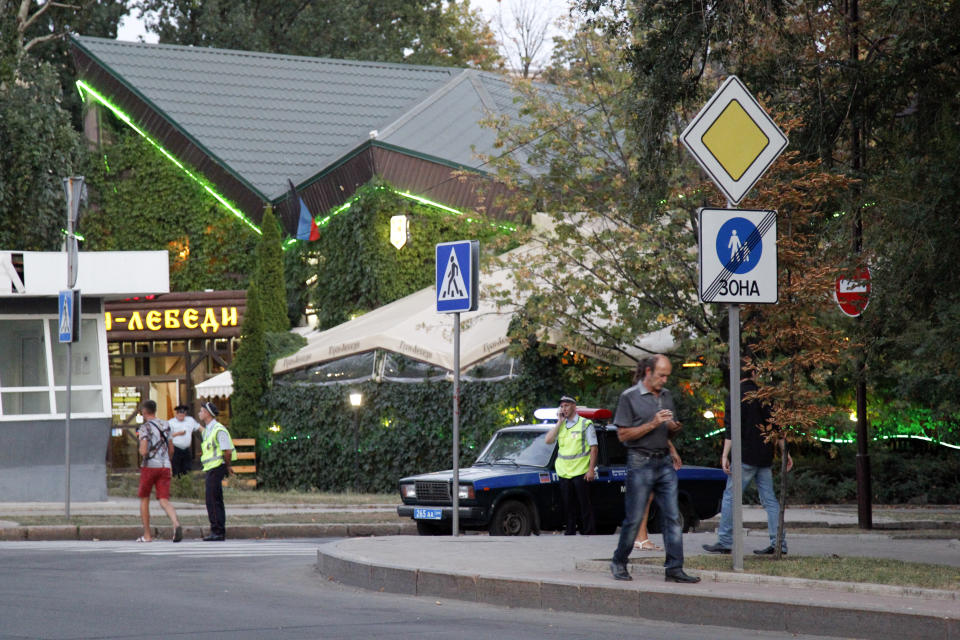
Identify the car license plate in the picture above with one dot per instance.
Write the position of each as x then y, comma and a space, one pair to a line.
427, 514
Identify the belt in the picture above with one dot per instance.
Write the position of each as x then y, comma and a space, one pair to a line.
660, 453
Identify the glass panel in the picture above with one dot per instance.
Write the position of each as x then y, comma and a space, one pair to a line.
85, 357
128, 347
80, 401
167, 365
160, 346
25, 402
178, 346
400, 367
356, 367
496, 368
142, 347
195, 344
116, 367
24, 360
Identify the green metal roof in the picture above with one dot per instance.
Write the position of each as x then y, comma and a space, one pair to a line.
250, 121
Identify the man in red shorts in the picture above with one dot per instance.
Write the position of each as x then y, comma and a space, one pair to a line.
155, 452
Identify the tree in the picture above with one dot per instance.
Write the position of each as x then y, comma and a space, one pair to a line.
415, 31
523, 35
270, 279
39, 145
251, 371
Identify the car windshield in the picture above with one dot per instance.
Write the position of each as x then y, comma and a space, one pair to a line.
518, 447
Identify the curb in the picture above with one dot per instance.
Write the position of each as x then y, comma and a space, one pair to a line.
603, 566
238, 532
621, 600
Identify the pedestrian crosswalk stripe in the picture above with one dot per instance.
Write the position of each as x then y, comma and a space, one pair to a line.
225, 549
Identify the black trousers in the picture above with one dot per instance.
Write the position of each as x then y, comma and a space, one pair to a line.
181, 461
215, 509
575, 493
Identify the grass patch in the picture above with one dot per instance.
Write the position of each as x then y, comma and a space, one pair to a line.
842, 569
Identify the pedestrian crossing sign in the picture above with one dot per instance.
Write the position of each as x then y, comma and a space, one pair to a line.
68, 304
457, 272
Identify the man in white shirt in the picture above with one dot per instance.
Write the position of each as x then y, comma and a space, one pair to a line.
182, 427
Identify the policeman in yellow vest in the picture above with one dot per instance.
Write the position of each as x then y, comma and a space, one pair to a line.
217, 452
576, 464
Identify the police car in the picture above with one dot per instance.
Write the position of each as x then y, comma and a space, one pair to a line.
513, 490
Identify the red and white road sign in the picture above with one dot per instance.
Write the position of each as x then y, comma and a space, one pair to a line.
853, 293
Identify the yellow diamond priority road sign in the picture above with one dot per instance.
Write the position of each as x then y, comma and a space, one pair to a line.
734, 139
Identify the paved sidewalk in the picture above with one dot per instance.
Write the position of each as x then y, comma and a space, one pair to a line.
555, 572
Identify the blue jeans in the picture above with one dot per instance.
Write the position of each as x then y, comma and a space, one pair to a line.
763, 477
656, 474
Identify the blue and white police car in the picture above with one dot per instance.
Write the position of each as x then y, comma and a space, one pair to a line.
512, 489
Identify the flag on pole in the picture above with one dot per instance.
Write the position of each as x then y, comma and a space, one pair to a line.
307, 227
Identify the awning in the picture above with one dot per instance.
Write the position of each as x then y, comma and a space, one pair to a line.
219, 385
412, 327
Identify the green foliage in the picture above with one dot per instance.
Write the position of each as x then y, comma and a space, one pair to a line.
270, 280
135, 190
357, 267
412, 31
251, 372
901, 473
40, 148
403, 429
189, 486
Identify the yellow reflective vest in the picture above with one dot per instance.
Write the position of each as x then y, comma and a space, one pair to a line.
573, 455
211, 456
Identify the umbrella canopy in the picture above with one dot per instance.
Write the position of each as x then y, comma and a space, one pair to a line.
219, 385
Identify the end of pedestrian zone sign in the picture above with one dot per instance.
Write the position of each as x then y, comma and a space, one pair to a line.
458, 276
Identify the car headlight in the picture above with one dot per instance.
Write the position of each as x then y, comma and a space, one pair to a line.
466, 492
408, 491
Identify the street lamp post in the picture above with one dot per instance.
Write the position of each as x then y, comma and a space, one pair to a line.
356, 401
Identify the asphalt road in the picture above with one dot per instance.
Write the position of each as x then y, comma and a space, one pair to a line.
247, 589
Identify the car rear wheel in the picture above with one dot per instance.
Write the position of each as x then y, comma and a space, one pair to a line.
688, 518
512, 518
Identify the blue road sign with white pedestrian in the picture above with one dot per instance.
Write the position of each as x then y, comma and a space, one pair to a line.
457, 276
65, 305
738, 256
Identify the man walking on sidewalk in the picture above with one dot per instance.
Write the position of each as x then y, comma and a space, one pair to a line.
217, 453
645, 422
155, 447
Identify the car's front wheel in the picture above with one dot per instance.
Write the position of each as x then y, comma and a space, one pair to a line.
512, 518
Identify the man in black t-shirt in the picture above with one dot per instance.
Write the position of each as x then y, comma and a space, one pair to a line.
757, 458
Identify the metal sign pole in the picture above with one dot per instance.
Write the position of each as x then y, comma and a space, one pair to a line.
736, 468
455, 489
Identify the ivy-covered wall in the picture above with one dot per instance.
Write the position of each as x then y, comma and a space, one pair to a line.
359, 270
140, 201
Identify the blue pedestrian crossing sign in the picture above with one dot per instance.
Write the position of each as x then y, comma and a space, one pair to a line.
738, 256
457, 276
68, 304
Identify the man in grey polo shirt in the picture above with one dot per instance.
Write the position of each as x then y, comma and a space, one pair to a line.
645, 422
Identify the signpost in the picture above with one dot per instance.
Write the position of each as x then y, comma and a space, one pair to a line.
457, 287
736, 141
69, 303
